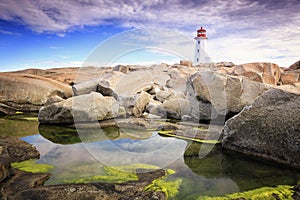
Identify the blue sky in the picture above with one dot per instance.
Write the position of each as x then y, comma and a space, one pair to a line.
46, 34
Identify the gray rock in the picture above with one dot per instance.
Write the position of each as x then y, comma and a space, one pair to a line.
141, 102
155, 107
186, 118
53, 99
135, 105
85, 87
151, 116
104, 88
121, 68
213, 94
176, 107
268, 129
163, 95
88, 107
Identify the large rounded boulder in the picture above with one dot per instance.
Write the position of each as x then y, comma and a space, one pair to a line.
268, 129
83, 108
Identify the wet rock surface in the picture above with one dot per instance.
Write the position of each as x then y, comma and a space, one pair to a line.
296, 195
13, 149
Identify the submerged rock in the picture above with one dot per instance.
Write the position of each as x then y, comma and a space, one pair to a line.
268, 129
88, 107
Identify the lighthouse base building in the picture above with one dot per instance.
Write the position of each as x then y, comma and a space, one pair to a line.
201, 55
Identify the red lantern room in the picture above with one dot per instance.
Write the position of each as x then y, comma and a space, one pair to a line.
201, 32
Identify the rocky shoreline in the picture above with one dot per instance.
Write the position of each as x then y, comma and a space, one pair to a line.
251, 108
16, 184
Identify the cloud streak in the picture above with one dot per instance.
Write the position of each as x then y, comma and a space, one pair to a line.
61, 16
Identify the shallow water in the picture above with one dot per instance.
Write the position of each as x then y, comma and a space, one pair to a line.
203, 169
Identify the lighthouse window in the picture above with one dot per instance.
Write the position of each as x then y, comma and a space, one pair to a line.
197, 50
198, 42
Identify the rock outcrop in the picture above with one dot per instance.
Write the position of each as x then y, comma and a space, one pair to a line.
28, 93
268, 129
83, 108
290, 77
212, 94
294, 66
268, 73
14, 150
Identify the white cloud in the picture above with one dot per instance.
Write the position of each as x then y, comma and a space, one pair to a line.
234, 24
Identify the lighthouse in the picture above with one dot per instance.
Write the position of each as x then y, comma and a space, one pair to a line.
200, 50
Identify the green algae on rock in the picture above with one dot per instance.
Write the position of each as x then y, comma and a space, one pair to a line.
281, 192
171, 134
115, 174
32, 166
170, 188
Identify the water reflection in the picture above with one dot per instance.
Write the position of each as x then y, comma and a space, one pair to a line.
204, 169
18, 126
226, 172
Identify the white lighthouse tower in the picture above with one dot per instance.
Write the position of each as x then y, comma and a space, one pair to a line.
200, 50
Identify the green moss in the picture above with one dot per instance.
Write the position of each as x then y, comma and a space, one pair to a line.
18, 112
114, 174
282, 192
170, 188
168, 133
32, 166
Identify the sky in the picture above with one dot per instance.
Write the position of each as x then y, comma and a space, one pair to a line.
54, 33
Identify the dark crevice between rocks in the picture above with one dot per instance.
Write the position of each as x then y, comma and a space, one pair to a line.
230, 115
